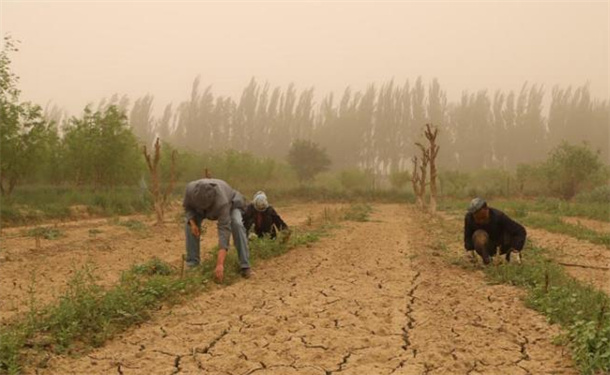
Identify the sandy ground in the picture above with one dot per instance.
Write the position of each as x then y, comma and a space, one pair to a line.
374, 298
596, 225
107, 248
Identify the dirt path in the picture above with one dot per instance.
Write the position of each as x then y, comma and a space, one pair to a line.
595, 225
370, 300
108, 248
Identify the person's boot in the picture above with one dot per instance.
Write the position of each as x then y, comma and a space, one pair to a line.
246, 273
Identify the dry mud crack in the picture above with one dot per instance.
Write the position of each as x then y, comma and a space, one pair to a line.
371, 299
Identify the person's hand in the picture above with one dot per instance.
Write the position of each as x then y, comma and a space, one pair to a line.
220, 272
194, 229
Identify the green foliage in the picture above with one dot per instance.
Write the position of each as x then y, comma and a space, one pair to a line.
590, 342
400, 180
569, 170
572, 168
599, 195
100, 149
25, 136
356, 179
134, 225
48, 233
358, 212
244, 169
155, 266
307, 159
531, 179
34, 204
453, 183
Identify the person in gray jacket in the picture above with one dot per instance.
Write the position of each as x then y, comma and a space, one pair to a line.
214, 199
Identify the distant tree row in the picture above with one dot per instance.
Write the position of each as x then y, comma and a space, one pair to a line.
376, 129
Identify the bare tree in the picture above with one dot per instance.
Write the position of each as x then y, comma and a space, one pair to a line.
419, 174
160, 197
431, 132
415, 178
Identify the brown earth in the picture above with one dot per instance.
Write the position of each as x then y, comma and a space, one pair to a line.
105, 246
595, 225
375, 298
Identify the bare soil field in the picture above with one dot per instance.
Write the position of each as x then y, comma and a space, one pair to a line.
373, 298
106, 246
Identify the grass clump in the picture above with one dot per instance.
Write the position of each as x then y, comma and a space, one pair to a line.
134, 225
48, 233
358, 212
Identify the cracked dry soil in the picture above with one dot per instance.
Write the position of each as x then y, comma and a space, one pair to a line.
371, 299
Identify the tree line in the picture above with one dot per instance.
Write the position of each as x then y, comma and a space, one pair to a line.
375, 129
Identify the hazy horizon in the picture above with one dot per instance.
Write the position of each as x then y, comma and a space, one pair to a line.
74, 53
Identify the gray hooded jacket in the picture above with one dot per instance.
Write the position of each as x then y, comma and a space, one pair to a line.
213, 199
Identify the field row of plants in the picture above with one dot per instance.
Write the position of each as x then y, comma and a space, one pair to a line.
581, 310
88, 315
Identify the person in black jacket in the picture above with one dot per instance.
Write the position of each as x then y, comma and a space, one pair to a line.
263, 216
486, 229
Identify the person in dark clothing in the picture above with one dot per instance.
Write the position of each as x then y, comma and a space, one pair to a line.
486, 229
263, 216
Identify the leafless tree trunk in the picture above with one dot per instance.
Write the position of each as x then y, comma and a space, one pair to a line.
431, 132
419, 175
160, 197
415, 182
423, 172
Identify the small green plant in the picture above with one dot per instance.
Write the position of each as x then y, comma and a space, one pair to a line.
358, 212
134, 225
520, 211
155, 266
48, 233
94, 232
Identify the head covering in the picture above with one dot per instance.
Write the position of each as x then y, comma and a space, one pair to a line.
476, 204
260, 201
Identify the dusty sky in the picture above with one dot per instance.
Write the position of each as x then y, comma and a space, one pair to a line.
77, 52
